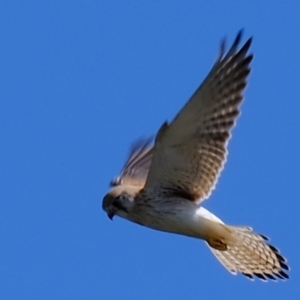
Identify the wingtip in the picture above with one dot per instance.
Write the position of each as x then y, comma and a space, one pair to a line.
238, 37
233, 49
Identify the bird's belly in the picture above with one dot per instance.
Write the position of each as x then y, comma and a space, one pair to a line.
178, 222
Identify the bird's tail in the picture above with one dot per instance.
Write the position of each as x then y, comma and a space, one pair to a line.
250, 254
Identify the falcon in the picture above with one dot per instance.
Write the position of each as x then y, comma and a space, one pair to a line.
162, 186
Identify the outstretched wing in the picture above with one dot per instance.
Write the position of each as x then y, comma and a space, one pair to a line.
189, 153
137, 166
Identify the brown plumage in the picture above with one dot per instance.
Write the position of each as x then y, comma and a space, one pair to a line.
161, 186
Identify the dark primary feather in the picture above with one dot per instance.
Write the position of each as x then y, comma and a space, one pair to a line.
137, 166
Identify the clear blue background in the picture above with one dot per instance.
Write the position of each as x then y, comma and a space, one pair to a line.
81, 80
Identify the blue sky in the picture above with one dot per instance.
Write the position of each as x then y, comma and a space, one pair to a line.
79, 82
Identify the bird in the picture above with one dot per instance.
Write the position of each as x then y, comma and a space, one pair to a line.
164, 182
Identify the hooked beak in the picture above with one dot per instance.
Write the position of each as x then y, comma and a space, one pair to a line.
110, 215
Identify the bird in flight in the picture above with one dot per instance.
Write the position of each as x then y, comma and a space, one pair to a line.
162, 186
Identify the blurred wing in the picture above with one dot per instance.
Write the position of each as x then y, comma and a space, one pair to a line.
189, 153
137, 166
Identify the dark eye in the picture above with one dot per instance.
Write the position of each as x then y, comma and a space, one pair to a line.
118, 203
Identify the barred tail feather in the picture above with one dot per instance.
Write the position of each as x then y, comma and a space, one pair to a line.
252, 256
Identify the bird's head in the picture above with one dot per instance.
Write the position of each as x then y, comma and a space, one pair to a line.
119, 201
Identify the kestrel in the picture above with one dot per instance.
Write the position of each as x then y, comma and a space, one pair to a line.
163, 186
